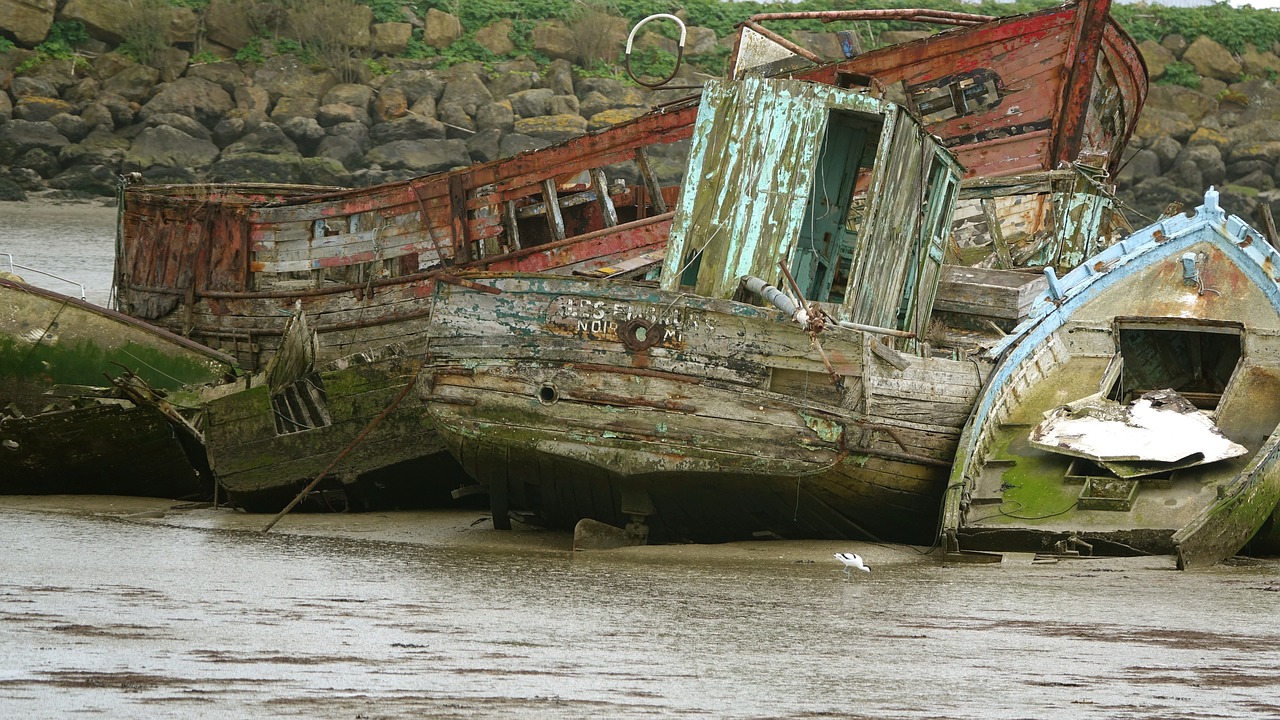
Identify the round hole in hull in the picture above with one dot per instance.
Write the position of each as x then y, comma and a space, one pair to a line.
548, 395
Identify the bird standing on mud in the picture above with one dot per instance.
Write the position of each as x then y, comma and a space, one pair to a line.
851, 561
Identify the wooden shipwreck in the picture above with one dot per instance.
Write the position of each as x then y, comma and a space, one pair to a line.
1169, 341
1037, 108
227, 264
92, 401
708, 406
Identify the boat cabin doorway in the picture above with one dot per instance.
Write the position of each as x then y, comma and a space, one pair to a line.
837, 200
1194, 360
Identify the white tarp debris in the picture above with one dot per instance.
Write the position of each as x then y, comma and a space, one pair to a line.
1159, 431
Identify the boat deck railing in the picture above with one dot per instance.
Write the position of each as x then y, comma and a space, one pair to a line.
13, 265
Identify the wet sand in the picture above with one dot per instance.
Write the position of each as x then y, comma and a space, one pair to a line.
121, 607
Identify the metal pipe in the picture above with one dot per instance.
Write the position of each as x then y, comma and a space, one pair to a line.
775, 297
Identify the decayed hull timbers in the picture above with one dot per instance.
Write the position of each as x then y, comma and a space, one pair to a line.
61, 431
358, 422
575, 398
225, 264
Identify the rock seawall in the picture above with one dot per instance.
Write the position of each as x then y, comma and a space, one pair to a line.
194, 112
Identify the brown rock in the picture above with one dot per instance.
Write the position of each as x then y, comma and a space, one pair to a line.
184, 26
36, 109
390, 38
1206, 136
171, 62
291, 107
1177, 98
554, 40
286, 75
227, 75
609, 118
440, 29
227, 23
133, 83
1211, 59
1156, 56
496, 38
1175, 44
1156, 123
107, 20
700, 41
1259, 64
390, 104
27, 20
252, 99
555, 128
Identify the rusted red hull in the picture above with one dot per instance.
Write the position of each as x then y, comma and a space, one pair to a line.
225, 264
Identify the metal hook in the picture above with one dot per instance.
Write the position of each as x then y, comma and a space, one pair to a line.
679, 49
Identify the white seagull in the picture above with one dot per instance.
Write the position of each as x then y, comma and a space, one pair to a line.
851, 561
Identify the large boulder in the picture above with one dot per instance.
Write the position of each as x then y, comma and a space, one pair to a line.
440, 29
1180, 99
1155, 123
496, 116
337, 113
27, 86
609, 118
106, 20
350, 94
171, 62
71, 127
342, 149
292, 107
390, 104
193, 97
554, 40
409, 127
17, 137
496, 38
420, 157
226, 75
413, 84
553, 128
324, 171
468, 91
1156, 56
258, 167
97, 180
1211, 59
559, 77
188, 125
99, 147
27, 20
37, 108
390, 38
287, 76
227, 23
266, 139
485, 145
515, 143
531, 103
168, 146
133, 83
1259, 64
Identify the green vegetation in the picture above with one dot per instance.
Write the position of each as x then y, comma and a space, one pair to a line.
1180, 73
306, 28
60, 44
6, 45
